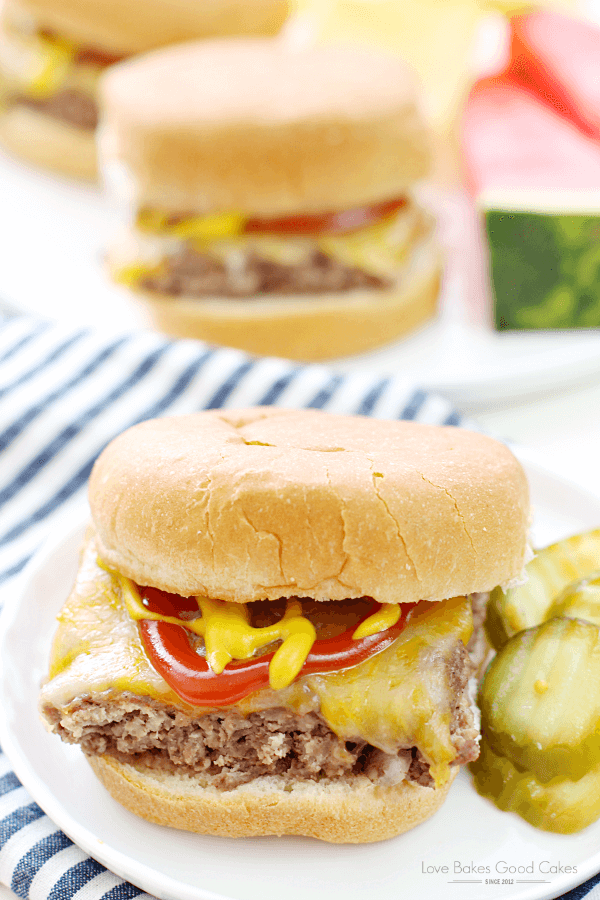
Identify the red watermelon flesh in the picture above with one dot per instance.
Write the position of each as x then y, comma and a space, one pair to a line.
512, 140
558, 57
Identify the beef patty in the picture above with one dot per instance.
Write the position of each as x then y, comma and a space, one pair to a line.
190, 273
70, 106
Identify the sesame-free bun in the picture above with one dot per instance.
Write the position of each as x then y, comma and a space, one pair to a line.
351, 812
125, 27
308, 327
267, 503
45, 141
257, 127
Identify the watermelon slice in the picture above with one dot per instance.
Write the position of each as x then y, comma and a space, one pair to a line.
536, 178
558, 58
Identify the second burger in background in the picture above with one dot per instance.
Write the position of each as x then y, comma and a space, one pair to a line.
270, 190
52, 53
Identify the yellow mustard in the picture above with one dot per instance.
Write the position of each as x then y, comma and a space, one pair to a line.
385, 617
203, 228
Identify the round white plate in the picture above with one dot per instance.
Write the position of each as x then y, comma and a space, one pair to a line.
467, 833
53, 247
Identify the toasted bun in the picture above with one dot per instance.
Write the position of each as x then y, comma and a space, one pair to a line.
136, 26
341, 813
46, 142
313, 327
252, 126
267, 503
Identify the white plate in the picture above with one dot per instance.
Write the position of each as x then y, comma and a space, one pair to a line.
180, 866
53, 244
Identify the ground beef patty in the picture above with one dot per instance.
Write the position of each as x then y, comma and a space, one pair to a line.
229, 749
71, 106
193, 274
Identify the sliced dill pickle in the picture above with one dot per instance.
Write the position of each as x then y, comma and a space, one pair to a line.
562, 805
580, 600
549, 572
540, 699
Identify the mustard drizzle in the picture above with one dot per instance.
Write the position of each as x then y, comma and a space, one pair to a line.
385, 617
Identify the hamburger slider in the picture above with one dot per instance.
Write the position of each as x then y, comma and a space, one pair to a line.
269, 192
52, 53
270, 628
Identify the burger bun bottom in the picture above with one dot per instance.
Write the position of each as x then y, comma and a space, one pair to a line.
351, 813
311, 328
48, 142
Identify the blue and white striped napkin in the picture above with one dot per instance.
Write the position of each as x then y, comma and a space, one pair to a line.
64, 394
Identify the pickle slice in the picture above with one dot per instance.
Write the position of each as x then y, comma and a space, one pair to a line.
562, 805
580, 600
540, 699
549, 572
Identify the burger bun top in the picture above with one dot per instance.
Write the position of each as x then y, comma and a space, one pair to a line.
267, 503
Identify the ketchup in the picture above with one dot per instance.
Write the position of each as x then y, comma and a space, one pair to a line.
189, 675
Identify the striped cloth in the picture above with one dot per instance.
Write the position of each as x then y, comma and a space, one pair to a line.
64, 394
